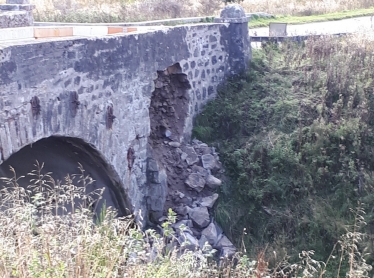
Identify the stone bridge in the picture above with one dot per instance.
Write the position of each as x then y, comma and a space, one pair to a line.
107, 101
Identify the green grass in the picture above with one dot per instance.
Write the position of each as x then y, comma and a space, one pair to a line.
295, 135
264, 22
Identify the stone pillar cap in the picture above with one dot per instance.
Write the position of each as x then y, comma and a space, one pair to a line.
233, 13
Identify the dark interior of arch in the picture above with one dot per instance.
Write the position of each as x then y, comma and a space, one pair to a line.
60, 156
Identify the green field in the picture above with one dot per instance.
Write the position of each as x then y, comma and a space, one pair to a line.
263, 22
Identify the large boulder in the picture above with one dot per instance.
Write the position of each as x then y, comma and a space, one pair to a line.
212, 182
199, 216
208, 201
192, 157
208, 161
227, 248
211, 234
200, 170
196, 182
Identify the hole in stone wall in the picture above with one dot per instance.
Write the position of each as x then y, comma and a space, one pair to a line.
169, 104
60, 156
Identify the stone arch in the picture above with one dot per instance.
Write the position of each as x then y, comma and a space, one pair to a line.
60, 156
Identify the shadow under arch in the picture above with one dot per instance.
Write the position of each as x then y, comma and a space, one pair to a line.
61, 156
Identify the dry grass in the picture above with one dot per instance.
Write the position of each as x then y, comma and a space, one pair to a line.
36, 241
141, 10
304, 7
49, 229
122, 11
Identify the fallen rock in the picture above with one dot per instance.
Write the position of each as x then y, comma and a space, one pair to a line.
200, 170
195, 181
224, 242
227, 248
227, 252
199, 216
184, 156
168, 133
179, 194
183, 225
211, 234
181, 210
196, 232
174, 144
208, 161
202, 241
202, 149
212, 182
192, 157
190, 241
208, 201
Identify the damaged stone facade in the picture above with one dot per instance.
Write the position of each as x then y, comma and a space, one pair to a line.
131, 97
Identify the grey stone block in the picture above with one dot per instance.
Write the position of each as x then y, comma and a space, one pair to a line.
18, 1
16, 7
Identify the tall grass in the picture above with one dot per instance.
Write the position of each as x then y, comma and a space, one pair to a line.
41, 237
304, 7
50, 229
141, 10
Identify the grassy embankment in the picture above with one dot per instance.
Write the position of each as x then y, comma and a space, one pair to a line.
296, 137
264, 22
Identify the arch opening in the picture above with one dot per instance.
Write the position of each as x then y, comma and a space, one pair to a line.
61, 156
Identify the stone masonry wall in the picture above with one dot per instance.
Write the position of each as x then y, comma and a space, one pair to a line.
16, 13
99, 90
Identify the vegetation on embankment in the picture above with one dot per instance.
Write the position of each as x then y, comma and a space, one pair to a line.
296, 137
53, 229
257, 21
141, 10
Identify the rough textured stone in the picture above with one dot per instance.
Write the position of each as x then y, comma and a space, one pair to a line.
186, 224
210, 233
200, 216
212, 182
181, 210
227, 252
16, 18
192, 242
225, 242
208, 201
200, 171
209, 162
233, 11
18, 1
175, 144
226, 247
196, 182
192, 157
202, 241
183, 156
